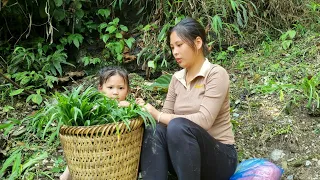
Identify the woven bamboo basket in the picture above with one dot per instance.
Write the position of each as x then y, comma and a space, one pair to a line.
103, 151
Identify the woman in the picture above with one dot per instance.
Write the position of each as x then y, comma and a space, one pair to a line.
194, 137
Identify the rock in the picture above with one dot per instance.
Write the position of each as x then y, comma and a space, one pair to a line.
308, 163
277, 154
290, 177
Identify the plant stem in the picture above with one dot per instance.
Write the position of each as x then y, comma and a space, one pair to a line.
15, 84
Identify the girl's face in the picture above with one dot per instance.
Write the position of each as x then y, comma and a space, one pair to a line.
182, 52
115, 88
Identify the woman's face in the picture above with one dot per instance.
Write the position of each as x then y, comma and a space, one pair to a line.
115, 88
182, 52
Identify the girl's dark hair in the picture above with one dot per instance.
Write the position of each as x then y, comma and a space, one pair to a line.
107, 72
188, 30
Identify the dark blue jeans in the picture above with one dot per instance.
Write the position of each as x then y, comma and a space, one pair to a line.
187, 150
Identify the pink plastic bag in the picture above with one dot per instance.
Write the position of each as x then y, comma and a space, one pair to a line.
257, 169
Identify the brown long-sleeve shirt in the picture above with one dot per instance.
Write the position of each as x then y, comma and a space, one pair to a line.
205, 100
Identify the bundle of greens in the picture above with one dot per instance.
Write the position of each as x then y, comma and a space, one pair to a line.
84, 107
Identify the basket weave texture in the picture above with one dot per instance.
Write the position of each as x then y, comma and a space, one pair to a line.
103, 152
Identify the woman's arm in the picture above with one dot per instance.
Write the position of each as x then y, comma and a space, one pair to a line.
167, 110
164, 118
214, 99
217, 87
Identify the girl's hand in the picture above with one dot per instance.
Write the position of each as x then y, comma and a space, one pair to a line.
123, 104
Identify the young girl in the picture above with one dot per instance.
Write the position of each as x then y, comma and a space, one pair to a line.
114, 83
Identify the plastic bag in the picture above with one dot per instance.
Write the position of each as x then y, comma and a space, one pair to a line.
257, 169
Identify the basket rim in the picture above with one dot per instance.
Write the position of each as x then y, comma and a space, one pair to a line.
109, 128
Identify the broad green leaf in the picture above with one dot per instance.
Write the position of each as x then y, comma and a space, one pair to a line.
7, 108
111, 29
231, 48
29, 98
146, 27
59, 14
25, 80
58, 3
292, 34
129, 42
119, 57
16, 92
76, 43
286, 44
115, 21
104, 12
123, 28
105, 38
78, 4
152, 64
79, 13
37, 98
119, 35
102, 26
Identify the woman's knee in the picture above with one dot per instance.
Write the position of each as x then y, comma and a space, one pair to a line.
176, 126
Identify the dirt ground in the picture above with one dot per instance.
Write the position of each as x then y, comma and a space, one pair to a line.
291, 141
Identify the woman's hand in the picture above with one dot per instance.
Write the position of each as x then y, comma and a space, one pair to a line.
140, 101
147, 106
164, 118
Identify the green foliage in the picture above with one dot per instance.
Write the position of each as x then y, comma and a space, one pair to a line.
83, 107
151, 54
7, 108
9, 125
310, 87
161, 83
37, 61
267, 48
20, 163
224, 55
111, 35
76, 39
16, 92
89, 60
314, 8
37, 97
287, 39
